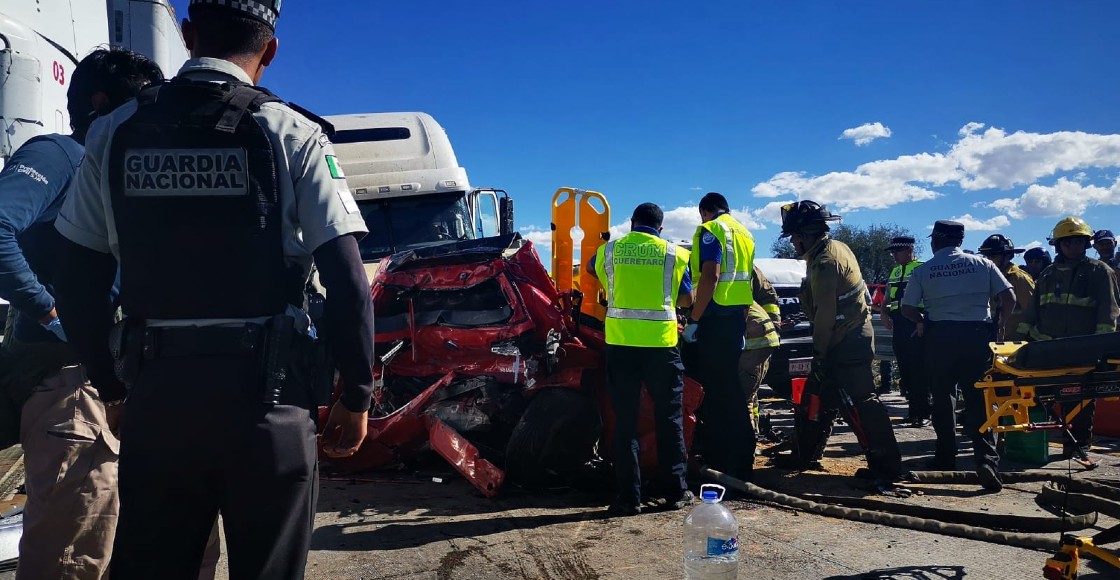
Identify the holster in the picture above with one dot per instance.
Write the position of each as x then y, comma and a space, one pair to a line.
126, 344
294, 360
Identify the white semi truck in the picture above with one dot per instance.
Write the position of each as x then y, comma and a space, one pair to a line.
401, 166
409, 185
41, 41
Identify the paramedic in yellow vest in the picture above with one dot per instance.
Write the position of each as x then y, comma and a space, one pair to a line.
645, 279
907, 346
722, 260
1074, 296
762, 339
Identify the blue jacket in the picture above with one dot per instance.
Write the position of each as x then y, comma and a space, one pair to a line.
32, 187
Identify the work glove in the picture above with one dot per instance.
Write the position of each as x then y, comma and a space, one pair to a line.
689, 335
55, 328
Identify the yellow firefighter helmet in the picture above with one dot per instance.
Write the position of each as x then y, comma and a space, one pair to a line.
1070, 227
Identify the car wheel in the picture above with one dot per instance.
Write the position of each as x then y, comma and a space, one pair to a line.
554, 437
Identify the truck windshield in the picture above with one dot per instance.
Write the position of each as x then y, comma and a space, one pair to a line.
406, 223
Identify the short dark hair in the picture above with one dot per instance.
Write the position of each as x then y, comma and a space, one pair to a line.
649, 215
117, 72
713, 202
221, 33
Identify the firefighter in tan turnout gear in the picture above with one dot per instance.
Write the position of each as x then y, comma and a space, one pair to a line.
840, 378
1074, 296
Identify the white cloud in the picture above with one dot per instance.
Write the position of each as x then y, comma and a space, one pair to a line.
866, 133
680, 223
844, 190
1034, 244
696, 188
970, 128
541, 238
994, 159
972, 225
932, 168
983, 158
1065, 197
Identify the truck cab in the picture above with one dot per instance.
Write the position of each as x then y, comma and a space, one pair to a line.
41, 42
409, 186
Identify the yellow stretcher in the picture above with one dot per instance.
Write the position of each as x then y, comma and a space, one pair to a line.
1068, 370
1064, 564
1010, 389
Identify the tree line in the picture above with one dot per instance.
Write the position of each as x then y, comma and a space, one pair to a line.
869, 244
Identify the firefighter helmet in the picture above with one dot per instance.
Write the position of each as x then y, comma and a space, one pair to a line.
797, 216
997, 244
1068, 228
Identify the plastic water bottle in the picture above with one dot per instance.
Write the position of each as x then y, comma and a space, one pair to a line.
711, 538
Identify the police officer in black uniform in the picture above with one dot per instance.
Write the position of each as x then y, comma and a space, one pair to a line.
205, 178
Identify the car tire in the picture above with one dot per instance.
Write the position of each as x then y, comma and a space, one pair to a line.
555, 437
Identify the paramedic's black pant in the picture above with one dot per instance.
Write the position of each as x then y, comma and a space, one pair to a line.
196, 440
908, 351
660, 369
729, 440
957, 354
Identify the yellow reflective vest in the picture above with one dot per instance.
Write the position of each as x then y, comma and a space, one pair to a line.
896, 285
734, 285
761, 330
641, 275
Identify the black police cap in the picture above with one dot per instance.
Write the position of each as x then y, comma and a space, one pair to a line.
1103, 235
947, 229
266, 11
900, 243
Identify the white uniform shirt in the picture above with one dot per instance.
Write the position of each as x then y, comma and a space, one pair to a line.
316, 205
955, 286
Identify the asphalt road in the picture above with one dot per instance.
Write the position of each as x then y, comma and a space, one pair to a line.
405, 525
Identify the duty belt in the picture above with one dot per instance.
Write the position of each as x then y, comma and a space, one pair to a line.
246, 340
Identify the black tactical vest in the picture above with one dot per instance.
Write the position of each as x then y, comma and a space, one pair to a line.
196, 201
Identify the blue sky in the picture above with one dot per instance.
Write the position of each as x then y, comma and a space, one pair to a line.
1003, 114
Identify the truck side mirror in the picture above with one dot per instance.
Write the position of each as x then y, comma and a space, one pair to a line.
505, 216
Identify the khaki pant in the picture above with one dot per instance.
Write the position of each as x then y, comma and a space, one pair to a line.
70, 518
753, 365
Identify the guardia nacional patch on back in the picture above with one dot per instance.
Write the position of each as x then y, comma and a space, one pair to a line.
186, 172
336, 167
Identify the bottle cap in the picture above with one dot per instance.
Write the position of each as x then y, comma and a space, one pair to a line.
709, 495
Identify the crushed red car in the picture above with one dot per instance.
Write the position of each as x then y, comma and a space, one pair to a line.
481, 360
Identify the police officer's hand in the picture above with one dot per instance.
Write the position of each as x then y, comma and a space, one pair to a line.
54, 326
344, 432
689, 335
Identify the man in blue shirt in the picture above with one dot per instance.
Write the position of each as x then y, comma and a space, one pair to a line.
62, 424
722, 263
